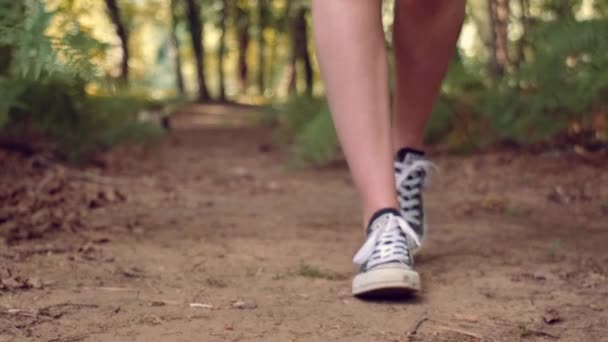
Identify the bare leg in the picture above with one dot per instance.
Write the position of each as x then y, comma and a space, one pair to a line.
424, 35
353, 59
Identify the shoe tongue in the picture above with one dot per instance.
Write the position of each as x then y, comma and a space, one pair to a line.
409, 155
380, 218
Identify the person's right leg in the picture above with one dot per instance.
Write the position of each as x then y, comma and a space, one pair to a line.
353, 59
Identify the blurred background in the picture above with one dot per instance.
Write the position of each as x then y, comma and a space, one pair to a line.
147, 193
78, 76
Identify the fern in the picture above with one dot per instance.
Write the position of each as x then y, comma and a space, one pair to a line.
42, 81
567, 78
37, 57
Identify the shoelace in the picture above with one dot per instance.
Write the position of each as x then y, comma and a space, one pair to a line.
394, 222
408, 199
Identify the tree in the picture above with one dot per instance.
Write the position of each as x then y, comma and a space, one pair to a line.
499, 12
262, 23
242, 22
299, 52
195, 25
524, 19
175, 47
222, 49
123, 35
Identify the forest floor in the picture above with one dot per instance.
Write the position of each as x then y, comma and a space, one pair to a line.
207, 235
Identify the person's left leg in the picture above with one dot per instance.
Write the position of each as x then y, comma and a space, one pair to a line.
425, 34
424, 37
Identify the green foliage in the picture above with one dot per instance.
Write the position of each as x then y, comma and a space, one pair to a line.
440, 123
314, 272
42, 85
306, 123
292, 116
35, 56
566, 80
317, 142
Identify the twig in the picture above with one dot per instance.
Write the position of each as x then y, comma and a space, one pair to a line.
20, 312
111, 289
61, 305
414, 330
44, 311
459, 331
23, 253
541, 333
69, 339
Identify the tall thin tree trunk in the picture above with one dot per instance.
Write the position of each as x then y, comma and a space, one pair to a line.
242, 26
499, 19
300, 45
123, 35
262, 14
222, 50
525, 24
175, 48
287, 83
196, 32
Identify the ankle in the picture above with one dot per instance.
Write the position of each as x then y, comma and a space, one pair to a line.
403, 152
408, 142
369, 215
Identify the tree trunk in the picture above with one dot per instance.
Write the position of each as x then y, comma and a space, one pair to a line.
123, 35
222, 50
242, 26
262, 19
196, 32
287, 86
175, 48
499, 19
525, 23
564, 9
300, 45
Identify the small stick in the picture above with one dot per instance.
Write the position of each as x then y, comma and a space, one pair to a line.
543, 333
111, 289
69, 339
76, 305
416, 326
459, 331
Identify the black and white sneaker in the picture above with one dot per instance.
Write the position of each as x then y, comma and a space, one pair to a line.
387, 264
412, 176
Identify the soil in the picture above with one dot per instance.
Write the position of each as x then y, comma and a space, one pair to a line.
209, 235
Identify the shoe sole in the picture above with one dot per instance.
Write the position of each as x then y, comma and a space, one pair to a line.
386, 282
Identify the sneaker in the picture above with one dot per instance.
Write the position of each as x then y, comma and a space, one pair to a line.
412, 176
387, 265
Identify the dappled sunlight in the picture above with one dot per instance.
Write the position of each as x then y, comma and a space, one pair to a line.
170, 171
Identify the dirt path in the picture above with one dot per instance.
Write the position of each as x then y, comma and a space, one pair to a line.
219, 241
